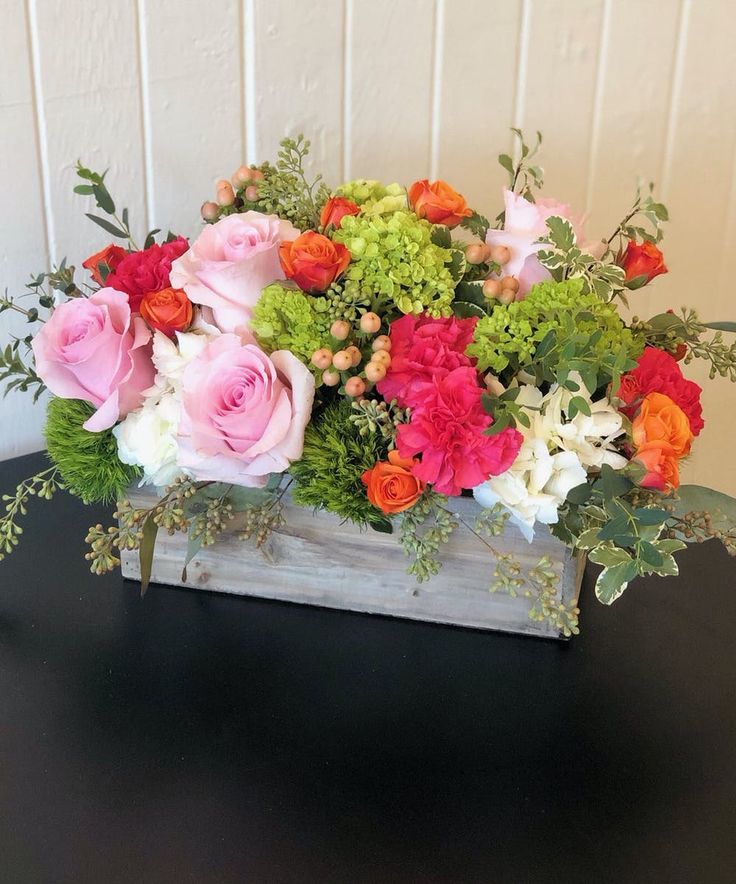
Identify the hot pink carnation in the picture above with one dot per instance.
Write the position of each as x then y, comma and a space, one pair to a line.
423, 348
243, 412
446, 428
146, 271
230, 263
659, 372
94, 349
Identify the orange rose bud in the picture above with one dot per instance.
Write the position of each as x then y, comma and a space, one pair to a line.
438, 203
662, 435
110, 257
167, 311
335, 209
313, 261
391, 486
641, 263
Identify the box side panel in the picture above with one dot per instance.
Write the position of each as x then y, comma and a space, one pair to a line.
316, 559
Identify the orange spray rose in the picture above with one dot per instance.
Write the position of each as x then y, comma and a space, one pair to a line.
438, 203
110, 256
662, 435
642, 261
391, 486
313, 261
168, 310
335, 209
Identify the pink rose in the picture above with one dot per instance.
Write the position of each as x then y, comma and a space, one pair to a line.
423, 348
524, 223
447, 428
94, 349
243, 412
230, 263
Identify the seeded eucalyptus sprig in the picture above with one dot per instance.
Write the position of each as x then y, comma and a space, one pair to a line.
424, 527
373, 416
668, 330
287, 191
43, 485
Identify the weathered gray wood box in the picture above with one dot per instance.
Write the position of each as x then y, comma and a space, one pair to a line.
318, 560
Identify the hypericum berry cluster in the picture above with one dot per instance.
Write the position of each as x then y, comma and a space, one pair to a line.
337, 366
504, 290
245, 179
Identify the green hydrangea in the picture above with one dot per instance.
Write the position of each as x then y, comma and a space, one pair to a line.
335, 456
509, 335
88, 462
287, 319
373, 197
395, 261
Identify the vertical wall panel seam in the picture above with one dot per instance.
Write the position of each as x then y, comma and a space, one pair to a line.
241, 73
522, 52
674, 97
347, 88
39, 110
145, 113
436, 94
249, 73
729, 231
600, 82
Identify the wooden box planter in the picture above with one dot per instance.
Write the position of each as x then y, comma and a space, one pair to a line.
317, 559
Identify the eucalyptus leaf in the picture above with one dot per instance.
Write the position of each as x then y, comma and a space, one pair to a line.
194, 544
721, 326
146, 550
698, 498
103, 199
107, 226
383, 526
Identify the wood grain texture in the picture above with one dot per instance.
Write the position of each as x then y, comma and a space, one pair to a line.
318, 560
174, 95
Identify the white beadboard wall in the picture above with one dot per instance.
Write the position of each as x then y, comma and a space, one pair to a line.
172, 95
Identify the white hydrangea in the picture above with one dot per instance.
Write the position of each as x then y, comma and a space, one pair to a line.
556, 453
147, 436
535, 487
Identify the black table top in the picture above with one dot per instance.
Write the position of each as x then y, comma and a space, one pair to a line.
198, 737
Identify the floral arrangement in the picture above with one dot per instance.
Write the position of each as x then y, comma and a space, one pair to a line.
378, 350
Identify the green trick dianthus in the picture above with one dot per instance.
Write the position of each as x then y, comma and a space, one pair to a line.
335, 457
88, 462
